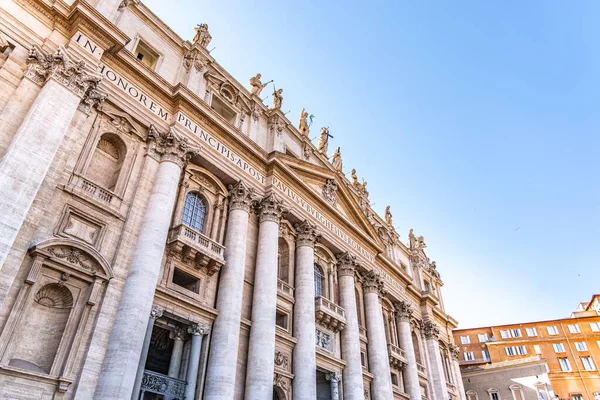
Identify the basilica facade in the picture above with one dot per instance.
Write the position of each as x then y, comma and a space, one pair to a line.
164, 234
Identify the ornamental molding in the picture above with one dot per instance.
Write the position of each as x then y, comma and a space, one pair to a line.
170, 146
178, 334
127, 3
307, 234
271, 208
373, 283
333, 376
404, 310
330, 191
198, 330
194, 58
240, 197
282, 382
156, 312
454, 351
346, 264
430, 329
282, 360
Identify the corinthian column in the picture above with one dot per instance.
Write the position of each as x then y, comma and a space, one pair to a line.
29, 156
411, 383
353, 380
305, 363
260, 365
222, 362
127, 337
436, 373
381, 387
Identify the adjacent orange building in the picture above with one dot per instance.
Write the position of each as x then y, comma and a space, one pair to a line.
570, 346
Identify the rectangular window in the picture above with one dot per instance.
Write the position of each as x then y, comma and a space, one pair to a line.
521, 350
465, 339
394, 379
510, 351
145, 54
469, 356
595, 326
565, 365
515, 333
558, 347
494, 396
536, 348
483, 337
505, 334
531, 331
552, 330
580, 346
486, 355
223, 109
576, 397
186, 281
588, 364
281, 320
574, 328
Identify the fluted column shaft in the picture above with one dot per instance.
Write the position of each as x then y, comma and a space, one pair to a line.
261, 348
222, 362
197, 331
305, 363
381, 387
126, 340
353, 380
154, 315
437, 377
411, 382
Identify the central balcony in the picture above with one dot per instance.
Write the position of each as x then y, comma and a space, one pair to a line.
196, 248
168, 388
397, 356
329, 315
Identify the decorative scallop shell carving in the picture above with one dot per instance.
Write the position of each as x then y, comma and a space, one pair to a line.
54, 295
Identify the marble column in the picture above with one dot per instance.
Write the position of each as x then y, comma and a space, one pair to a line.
334, 379
353, 379
125, 345
178, 336
197, 331
411, 382
29, 156
222, 361
305, 363
379, 366
455, 353
261, 347
436, 373
155, 314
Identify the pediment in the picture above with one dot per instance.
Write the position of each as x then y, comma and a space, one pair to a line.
228, 90
123, 123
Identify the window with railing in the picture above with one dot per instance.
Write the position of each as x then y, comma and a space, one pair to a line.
194, 212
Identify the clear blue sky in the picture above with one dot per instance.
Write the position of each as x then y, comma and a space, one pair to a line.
477, 121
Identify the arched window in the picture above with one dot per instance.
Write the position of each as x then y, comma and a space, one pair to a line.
107, 160
416, 347
319, 278
194, 212
283, 261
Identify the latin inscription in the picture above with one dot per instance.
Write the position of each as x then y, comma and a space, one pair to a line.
89, 46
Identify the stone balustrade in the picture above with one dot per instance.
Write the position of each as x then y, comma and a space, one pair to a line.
169, 388
285, 288
84, 187
397, 356
421, 370
196, 248
329, 315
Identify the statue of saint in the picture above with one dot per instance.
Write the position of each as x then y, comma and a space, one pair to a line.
388, 216
354, 179
303, 126
411, 239
277, 99
202, 35
323, 141
337, 160
256, 85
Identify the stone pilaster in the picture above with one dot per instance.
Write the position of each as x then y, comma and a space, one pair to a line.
411, 383
260, 365
334, 379
305, 363
178, 336
222, 362
28, 158
198, 331
455, 353
381, 387
436, 368
353, 380
125, 345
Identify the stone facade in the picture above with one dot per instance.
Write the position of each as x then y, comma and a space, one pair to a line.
166, 235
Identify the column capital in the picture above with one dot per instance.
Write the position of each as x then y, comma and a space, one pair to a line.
346, 264
156, 312
271, 208
454, 351
374, 284
177, 334
333, 376
240, 197
170, 146
66, 70
198, 329
307, 234
403, 310
430, 330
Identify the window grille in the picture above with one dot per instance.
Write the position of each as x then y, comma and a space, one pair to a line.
194, 212
318, 281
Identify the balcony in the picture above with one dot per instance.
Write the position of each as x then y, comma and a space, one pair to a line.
196, 248
397, 356
285, 289
86, 188
168, 388
421, 370
329, 315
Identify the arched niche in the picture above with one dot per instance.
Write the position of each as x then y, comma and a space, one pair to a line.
52, 317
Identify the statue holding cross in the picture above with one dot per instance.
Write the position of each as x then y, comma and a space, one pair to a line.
324, 141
